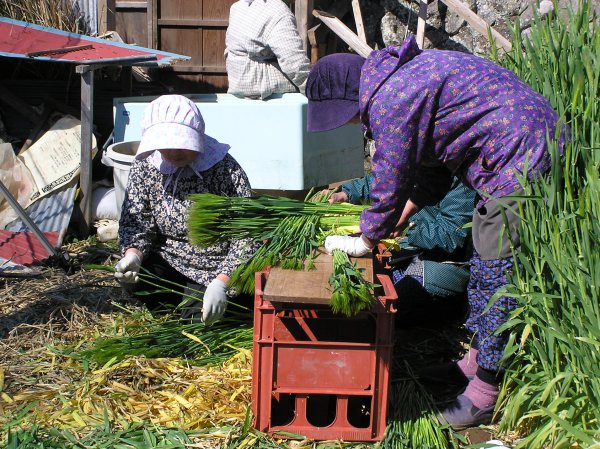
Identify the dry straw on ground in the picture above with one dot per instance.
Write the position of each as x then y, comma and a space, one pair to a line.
45, 317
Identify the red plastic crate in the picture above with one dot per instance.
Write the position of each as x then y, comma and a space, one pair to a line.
318, 374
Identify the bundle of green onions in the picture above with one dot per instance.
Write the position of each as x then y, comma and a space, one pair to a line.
214, 219
291, 244
292, 229
199, 344
351, 292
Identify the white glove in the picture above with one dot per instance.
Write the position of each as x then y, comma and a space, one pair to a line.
128, 268
215, 301
353, 246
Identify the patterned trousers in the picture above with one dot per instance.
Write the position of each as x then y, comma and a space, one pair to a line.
487, 276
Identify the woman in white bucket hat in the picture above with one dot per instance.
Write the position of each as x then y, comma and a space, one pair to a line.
175, 159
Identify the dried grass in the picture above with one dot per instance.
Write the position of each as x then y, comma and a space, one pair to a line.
61, 14
42, 318
165, 392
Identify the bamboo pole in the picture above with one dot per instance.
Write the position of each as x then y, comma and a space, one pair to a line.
421, 23
345, 33
358, 20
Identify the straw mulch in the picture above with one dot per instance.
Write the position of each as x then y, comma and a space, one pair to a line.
46, 317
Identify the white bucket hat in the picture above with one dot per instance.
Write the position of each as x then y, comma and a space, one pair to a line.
175, 122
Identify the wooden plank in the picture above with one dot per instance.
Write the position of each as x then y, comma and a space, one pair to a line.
152, 23
188, 40
85, 176
193, 23
61, 50
131, 5
421, 23
311, 286
199, 69
302, 11
477, 23
358, 20
180, 10
213, 83
132, 26
314, 45
214, 9
213, 48
345, 33
106, 16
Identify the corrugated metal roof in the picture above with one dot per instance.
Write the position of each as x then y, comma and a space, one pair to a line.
51, 214
89, 14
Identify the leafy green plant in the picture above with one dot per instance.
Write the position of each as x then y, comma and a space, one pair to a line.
214, 219
551, 393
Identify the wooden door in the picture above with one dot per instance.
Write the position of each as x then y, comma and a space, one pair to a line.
197, 29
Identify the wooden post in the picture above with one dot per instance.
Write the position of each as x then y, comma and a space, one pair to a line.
314, 45
302, 10
106, 16
358, 20
477, 22
152, 23
421, 23
87, 123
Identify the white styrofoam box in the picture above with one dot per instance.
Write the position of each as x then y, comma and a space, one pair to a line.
267, 137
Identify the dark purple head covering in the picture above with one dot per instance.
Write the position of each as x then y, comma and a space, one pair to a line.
332, 91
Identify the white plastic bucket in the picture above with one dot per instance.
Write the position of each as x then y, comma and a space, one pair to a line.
120, 156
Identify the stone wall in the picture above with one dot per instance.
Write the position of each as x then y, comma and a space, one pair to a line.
388, 21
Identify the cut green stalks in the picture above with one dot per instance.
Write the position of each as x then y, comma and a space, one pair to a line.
413, 423
292, 230
352, 293
199, 344
215, 219
292, 244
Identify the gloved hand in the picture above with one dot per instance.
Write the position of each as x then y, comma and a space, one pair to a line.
128, 267
215, 301
353, 246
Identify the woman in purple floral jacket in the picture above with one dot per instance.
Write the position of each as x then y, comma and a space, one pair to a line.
433, 115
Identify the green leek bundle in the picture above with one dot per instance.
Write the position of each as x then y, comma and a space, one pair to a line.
214, 219
351, 292
291, 231
292, 243
199, 344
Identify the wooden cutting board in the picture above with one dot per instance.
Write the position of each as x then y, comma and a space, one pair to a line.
310, 286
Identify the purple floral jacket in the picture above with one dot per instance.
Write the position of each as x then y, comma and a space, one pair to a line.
436, 114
